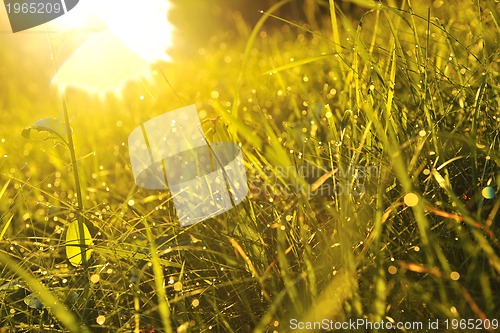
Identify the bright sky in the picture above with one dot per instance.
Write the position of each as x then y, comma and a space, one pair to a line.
130, 35
141, 25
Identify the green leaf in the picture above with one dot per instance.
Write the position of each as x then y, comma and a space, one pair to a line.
73, 250
54, 127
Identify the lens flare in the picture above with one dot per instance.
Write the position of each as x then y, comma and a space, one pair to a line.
488, 192
102, 64
126, 38
141, 25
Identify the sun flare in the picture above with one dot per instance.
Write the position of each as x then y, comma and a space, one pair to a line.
126, 37
142, 26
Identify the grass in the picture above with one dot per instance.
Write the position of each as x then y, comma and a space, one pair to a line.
391, 118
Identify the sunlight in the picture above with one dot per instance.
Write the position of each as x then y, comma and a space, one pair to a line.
126, 37
83, 16
142, 26
94, 67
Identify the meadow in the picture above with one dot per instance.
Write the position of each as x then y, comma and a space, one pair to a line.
371, 145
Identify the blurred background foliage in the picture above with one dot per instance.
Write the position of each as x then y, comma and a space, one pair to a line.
368, 251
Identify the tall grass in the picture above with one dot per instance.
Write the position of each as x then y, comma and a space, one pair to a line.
370, 144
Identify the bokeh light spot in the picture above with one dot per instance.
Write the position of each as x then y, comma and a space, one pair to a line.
95, 278
411, 199
178, 286
100, 319
488, 192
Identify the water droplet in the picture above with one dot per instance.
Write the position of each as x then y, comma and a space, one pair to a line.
100, 319
480, 145
488, 192
411, 199
455, 276
214, 94
95, 278
178, 286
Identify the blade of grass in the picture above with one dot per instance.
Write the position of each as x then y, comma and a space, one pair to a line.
49, 300
159, 281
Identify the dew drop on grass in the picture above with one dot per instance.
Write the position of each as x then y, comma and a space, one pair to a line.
195, 303
214, 94
95, 278
100, 320
131, 202
411, 199
488, 192
455, 276
480, 145
392, 270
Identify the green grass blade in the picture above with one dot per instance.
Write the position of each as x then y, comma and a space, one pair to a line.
49, 300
